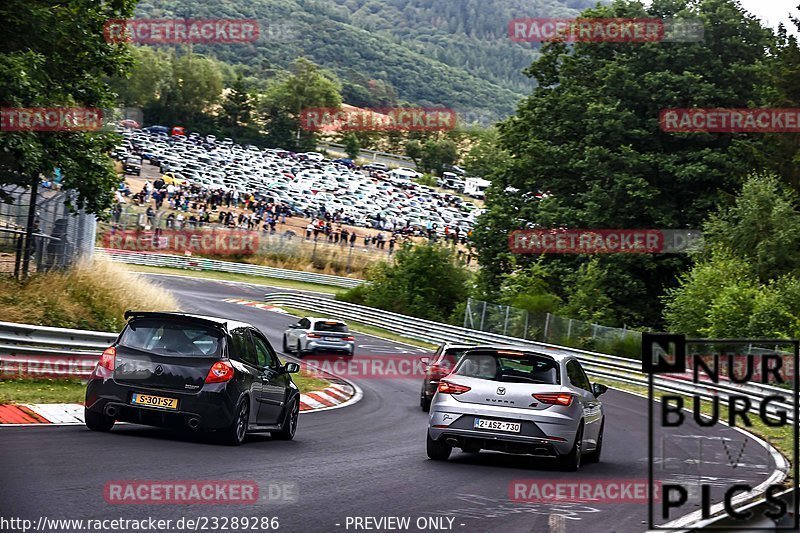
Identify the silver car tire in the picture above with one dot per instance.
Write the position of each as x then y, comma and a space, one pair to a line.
438, 451
594, 455
571, 462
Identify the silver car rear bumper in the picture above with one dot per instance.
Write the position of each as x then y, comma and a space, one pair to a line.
545, 432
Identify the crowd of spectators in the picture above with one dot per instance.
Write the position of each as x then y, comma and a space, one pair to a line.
180, 207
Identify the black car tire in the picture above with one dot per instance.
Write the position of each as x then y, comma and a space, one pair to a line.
97, 421
425, 403
300, 353
235, 433
290, 423
594, 455
438, 451
571, 462
285, 345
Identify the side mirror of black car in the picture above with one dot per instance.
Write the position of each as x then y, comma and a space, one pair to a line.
294, 326
599, 389
291, 368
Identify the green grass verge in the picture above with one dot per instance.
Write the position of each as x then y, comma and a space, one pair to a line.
358, 327
781, 438
226, 276
74, 390
42, 391
309, 383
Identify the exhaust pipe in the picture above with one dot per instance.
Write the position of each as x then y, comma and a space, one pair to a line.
111, 411
451, 441
193, 423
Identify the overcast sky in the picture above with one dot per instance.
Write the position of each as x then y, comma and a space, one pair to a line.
773, 12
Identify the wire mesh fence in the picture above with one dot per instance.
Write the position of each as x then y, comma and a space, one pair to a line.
552, 329
60, 238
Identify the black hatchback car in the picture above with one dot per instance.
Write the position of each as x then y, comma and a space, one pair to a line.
196, 372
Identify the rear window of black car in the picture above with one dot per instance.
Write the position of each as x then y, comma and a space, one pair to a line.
336, 327
509, 367
172, 338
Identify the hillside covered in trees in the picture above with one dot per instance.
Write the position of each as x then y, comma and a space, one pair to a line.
422, 52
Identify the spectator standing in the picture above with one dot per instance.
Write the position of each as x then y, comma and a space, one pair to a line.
117, 212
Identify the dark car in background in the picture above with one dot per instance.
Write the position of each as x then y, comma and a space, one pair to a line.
375, 166
346, 162
197, 372
439, 364
132, 165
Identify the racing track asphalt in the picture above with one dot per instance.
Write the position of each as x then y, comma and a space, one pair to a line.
367, 459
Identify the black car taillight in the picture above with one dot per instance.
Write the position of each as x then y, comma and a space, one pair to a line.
438, 371
105, 366
220, 372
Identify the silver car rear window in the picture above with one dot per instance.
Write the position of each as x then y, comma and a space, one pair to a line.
336, 327
509, 368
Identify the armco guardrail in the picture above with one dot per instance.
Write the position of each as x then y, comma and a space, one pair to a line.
598, 364
374, 153
200, 263
601, 365
28, 350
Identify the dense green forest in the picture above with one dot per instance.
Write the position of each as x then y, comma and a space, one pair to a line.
423, 52
605, 163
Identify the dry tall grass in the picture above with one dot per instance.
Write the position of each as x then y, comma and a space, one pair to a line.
326, 259
93, 295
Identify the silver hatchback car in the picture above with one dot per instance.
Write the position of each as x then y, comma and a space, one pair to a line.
318, 335
518, 400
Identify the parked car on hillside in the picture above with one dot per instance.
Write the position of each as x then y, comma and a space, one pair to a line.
132, 165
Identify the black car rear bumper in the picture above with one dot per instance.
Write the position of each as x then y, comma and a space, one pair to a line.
213, 407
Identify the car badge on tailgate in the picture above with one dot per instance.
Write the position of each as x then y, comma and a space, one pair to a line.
159, 370
501, 391
192, 387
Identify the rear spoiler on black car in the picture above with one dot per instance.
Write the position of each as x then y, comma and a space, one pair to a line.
218, 323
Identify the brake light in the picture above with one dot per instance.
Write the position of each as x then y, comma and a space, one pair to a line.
109, 358
349, 339
312, 336
451, 388
438, 372
105, 366
554, 399
220, 372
